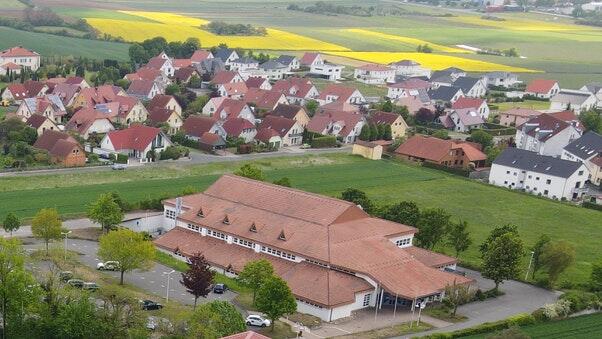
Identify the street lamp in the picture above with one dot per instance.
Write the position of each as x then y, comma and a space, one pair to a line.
167, 289
65, 234
530, 262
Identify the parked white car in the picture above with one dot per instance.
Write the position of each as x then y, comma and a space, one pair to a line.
108, 266
257, 320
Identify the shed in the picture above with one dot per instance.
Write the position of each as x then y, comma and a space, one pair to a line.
368, 150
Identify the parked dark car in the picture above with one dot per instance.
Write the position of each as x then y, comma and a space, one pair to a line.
148, 305
78, 283
220, 288
90, 286
66, 275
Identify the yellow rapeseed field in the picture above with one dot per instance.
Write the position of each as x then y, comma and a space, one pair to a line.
432, 61
519, 24
408, 40
174, 27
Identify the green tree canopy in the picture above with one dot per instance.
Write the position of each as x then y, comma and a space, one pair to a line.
127, 247
11, 223
365, 133
433, 225
482, 137
537, 249
105, 211
405, 212
556, 257
459, 237
502, 258
214, 320
251, 172
596, 276
592, 121
46, 225
255, 273
275, 299
359, 198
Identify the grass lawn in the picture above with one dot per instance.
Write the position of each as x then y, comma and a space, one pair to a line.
531, 104
582, 327
388, 332
482, 206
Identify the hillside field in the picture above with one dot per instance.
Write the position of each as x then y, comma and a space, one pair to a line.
482, 206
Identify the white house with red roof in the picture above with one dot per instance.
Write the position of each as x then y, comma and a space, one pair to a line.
164, 64
546, 134
223, 108
311, 59
374, 74
258, 82
19, 56
135, 141
475, 104
407, 88
15, 93
462, 120
240, 128
225, 77
297, 90
200, 55
344, 125
233, 90
196, 126
89, 121
542, 88
340, 93
143, 89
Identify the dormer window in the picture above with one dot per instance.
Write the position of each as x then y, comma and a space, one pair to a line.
253, 228
282, 236
200, 213
226, 220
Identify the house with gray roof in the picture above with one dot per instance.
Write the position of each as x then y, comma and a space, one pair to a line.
227, 55
462, 120
445, 94
471, 87
243, 64
291, 62
501, 79
537, 174
588, 150
577, 101
274, 69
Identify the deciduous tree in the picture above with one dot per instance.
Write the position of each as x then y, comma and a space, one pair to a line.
459, 237
275, 299
251, 172
215, 319
537, 249
456, 295
501, 258
198, 278
359, 198
105, 211
433, 225
596, 276
556, 257
481, 137
11, 223
46, 225
405, 212
127, 247
255, 273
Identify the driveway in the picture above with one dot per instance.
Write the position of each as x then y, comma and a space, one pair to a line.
153, 281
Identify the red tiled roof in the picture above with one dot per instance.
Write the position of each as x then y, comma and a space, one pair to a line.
232, 107
196, 125
180, 63
74, 80
159, 101
434, 149
18, 91
140, 87
17, 51
84, 118
144, 73
465, 102
338, 106
342, 92
36, 120
542, 86
235, 126
265, 134
223, 77
49, 138
374, 68
320, 121
235, 88
308, 58
386, 118
185, 73
159, 115
156, 62
210, 139
255, 82
34, 87
543, 126
200, 55
11, 66
246, 335
293, 86
136, 137
597, 160
279, 124
286, 111
263, 99
63, 148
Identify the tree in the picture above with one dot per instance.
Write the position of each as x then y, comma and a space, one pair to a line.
481, 137
255, 273
388, 134
251, 172
275, 299
198, 278
46, 225
120, 311
556, 257
18, 288
492, 153
172, 89
537, 249
496, 232
373, 132
425, 115
284, 181
365, 133
501, 259
458, 237
386, 106
359, 198
127, 247
11, 223
77, 318
596, 276
591, 120
441, 134
433, 225
311, 106
405, 212
456, 295
197, 104
216, 319
105, 211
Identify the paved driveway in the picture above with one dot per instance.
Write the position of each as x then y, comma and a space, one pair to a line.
153, 281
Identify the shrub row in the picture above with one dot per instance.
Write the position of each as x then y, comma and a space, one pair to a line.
323, 142
457, 171
517, 320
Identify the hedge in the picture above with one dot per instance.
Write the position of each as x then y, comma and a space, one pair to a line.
521, 319
452, 170
323, 142
591, 205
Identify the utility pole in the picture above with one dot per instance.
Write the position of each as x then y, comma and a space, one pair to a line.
167, 287
529, 267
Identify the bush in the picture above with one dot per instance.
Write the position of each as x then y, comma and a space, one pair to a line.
580, 300
521, 319
93, 157
591, 205
173, 152
121, 158
452, 170
323, 142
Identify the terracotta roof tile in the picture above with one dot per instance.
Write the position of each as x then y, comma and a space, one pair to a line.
542, 86
279, 124
136, 137
197, 125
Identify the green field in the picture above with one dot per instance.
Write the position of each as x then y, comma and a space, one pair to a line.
583, 327
531, 104
481, 205
48, 44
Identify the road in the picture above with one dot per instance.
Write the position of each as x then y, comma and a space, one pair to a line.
154, 281
196, 158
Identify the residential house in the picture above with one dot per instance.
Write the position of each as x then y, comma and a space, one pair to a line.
150, 74
240, 128
62, 148
542, 88
502, 79
474, 104
49, 106
268, 137
545, 135
449, 153
452, 72
67, 93
41, 123
258, 82
374, 74
577, 101
290, 131
88, 121
291, 62
335, 92
36, 88
398, 125
471, 87
244, 64
407, 88
588, 150
165, 101
224, 108
445, 94
209, 67
21, 57
538, 174
10, 68
195, 126
136, 141
415, 102
346, 126
234, 90
293, 112
594, 88
143, 89
309, 60
163, 64
225, 77
410, 69
200, 55
171, 118
15, 93
274, 69
77, 81
517, 116
124, 110
185, 74
297, 90
181, 63
335, 258
211, 142
462, 120
89, 97
263, 100
326, 71
227, 55
338, 106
